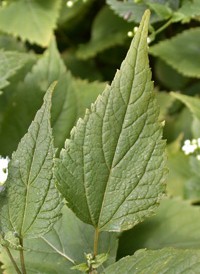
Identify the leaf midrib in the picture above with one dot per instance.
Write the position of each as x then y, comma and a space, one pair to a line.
28, 180
103, 201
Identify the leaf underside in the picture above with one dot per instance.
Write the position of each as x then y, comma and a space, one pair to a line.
58, 250
167, 260
111, 170
30, 203
33, 21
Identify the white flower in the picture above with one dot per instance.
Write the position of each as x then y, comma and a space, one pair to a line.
148, 40
69, 4
130, 34
189, 146
3, 169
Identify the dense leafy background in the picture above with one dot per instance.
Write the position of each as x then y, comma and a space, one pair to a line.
82, 46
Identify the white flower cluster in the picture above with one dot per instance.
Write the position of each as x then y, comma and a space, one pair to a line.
3, 169
192, 147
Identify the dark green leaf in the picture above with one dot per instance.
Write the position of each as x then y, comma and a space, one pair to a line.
175, 225
29, 205
108, 30
111, 170
185, 59
166, 261
63, 247
33, 21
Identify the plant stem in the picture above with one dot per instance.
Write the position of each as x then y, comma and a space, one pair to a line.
22, 257
163, 27
96, 240
12, 260
153, 34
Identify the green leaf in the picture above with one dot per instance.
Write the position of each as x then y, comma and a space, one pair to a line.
192, 103
162, 10
176, 224
178, 124
129, 10
166, 260
84, 69
108, 30
63, 247
10, 43
189, 10
69, 102
184, 59
180, 171
70, 16
34, 20
10, 62
168, 77
30, 205
165, 101
19, 113
81, 267
192, 186
111, 170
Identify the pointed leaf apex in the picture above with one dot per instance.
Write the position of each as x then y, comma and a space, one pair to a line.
50, 90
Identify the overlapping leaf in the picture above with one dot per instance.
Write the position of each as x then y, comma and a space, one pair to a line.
69, 101
108, 30
192, 103
10, 62
57, 251
167, 260
111, 170
189, 10
32, 89
176, 224
185, 59
129, 10
33, 21
30, 203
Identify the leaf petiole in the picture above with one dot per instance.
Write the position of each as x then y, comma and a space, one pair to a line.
22, 258
96, 239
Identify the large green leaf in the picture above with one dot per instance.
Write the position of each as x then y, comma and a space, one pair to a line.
189, 10
27, 99
192, 103
57, 251
33, 21
108, 30
176, 224
130, 10
10, 43
70, 16
69, 103
167, 260
185, 59
179, 169
168, 77
30, 203
111, 170
10, 62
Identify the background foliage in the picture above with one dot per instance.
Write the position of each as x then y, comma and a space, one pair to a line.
81, 44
